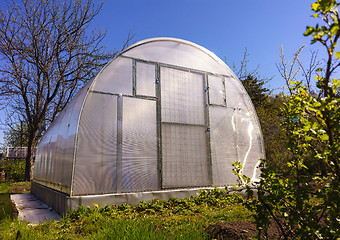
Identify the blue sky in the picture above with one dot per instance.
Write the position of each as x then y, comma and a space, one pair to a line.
225, 27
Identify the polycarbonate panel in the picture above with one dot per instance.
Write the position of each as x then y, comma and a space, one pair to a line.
182, 96
248, 142
95, 165
216, 90
41, 159
49, 165
63, 166
145, 79
115, 77
236, 97
66, 140
53, 167
179, 54
139, 148
184, 156
223, 144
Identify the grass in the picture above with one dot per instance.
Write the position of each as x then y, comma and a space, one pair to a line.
173, 219
7, 188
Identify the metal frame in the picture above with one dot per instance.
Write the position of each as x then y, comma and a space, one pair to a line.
159, 125
135, 89
224, 90
50, 192
158, 99
207, 122
205, 125
119, 155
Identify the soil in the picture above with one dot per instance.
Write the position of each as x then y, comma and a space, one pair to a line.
20, 187
238, 230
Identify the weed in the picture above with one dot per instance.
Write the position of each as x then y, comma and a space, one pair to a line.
157, 219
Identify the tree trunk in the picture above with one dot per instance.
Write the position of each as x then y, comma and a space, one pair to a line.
30, 158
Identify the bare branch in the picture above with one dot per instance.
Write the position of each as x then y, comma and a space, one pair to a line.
46, 56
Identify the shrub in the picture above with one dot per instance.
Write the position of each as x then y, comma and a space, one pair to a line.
15, 170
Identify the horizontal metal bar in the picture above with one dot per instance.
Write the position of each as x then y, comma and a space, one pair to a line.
217, 105
174, 66
124, 95
185, 124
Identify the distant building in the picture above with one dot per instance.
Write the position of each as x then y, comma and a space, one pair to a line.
16, 152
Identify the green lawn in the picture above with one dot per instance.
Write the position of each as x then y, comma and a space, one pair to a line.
7, 188
173, 219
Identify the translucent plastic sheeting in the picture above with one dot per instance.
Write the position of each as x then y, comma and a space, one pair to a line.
40, 159
184, 156
115, 146
115, 77
223, 138
235, 96
54, 159
145, 79
64, 146
249, 143
95, 165
216, 90
182, 96
139, 148
178, 54
44, 160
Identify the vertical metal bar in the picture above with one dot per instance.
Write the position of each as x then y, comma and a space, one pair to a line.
159, 125
224, 92
134, 81
207, 123
119, 143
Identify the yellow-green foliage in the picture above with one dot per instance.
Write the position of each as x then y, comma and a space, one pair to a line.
306, 204
173, 219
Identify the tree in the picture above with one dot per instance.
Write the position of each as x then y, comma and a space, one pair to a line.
306, 204
269, 111
252, 82
47, 53
16, 136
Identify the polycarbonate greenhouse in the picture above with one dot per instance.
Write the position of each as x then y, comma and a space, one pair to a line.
163, 119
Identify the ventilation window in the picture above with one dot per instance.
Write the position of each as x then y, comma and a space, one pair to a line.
216, 90
145, 79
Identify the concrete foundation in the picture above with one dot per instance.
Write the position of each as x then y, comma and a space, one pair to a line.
63, 203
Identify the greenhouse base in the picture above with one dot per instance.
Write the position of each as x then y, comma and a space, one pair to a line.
63, 203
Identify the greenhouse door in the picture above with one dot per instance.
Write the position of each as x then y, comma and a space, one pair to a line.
184, 145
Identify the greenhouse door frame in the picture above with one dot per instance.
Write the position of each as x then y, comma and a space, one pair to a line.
161, 124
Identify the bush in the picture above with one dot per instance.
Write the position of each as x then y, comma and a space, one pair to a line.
306, 204
15, 169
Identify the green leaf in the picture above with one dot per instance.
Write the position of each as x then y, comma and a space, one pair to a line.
326, 5
334, 29
315, 6
309, 31
324, 137
308, 138
337, 54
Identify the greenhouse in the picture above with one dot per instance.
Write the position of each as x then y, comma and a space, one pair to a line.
164, 118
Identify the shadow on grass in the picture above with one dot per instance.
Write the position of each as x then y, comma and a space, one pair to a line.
6, 206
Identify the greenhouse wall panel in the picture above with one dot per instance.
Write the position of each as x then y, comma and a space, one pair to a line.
96, 146
139, 145
223, 144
